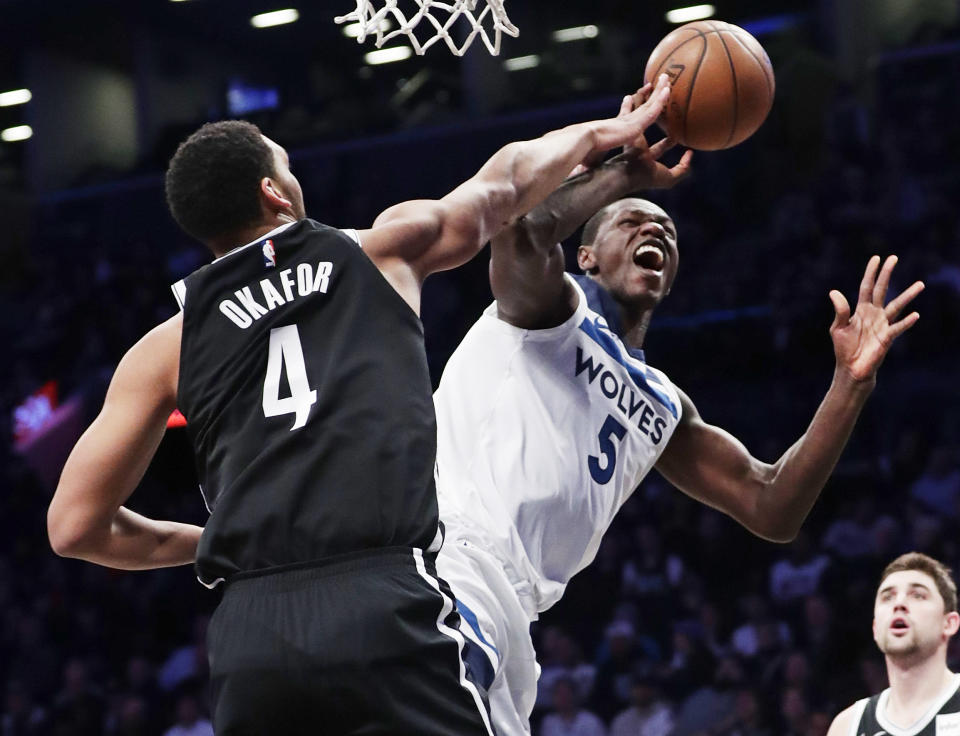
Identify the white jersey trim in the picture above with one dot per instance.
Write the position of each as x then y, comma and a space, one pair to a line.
857, 715
353, 235
924, 720
212, 585
180, 293
275, 231
455, 635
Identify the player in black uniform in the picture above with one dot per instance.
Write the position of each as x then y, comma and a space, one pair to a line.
914, 616
298, 361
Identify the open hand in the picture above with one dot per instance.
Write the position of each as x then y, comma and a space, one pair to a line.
861, 340
644, 161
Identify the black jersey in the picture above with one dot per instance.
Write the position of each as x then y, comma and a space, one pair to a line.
304, 381
943, 718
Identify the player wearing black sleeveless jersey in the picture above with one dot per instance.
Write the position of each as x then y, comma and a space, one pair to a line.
914, 617
298, 361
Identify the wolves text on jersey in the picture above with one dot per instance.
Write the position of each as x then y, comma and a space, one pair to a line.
282, 288
633, 406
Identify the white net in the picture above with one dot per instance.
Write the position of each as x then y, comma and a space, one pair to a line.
432, 21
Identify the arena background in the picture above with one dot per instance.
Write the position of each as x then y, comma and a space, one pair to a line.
707, 629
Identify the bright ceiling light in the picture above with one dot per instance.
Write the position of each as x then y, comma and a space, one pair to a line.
352, 30
275, 18
19, 133
694, 12
15, 97
385, 56
578, 33
521, 62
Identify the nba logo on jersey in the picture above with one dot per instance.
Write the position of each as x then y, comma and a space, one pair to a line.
269, 255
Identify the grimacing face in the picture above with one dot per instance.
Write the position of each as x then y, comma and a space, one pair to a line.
634, 255
909, 620
285, 180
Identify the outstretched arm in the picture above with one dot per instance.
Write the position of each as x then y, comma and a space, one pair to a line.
434, 235
86, 519
527, 265
772, 500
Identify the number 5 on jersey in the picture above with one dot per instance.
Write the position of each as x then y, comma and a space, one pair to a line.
611, 428
286, 352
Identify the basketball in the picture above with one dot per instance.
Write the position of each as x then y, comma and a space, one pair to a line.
722, 81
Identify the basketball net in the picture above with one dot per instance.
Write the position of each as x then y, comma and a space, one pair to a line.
433, 21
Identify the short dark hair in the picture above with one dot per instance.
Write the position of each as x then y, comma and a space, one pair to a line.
935, 569
213, 180
593, 225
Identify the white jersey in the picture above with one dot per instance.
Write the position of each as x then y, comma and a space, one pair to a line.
541, 437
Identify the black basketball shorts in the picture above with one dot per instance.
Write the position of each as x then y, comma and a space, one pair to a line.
367, 643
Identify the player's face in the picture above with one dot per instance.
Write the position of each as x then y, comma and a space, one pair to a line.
286, 181
909, 620
634, 255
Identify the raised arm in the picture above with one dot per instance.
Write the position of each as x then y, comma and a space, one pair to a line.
527, 265
413, 239
86, 518
772, 500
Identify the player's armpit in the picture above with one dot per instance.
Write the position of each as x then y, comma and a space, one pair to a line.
111, 457
527, 279
714, 467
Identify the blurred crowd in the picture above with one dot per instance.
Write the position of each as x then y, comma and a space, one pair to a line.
685, 625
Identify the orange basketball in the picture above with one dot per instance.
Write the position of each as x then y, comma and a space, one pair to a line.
722, 84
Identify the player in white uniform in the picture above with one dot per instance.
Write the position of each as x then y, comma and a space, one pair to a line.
548, 415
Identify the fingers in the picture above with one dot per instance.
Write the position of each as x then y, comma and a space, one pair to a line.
883, 282
682, 169
642, 94
661, 147
667, 178
869, 279
898, 328
907, 296
626, 106
650, 110
841, 308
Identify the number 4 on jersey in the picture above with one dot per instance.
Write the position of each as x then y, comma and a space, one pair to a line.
285, 351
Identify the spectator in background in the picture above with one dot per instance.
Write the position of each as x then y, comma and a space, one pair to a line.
848, 536
887, 536
21, 716
189, 720
746, 639
79, 708
938, 489
650, 574
817, 724
795, 711
649, 715
712, 703
132, 718
615, 667
690, 664
568, 718
189, 662
562, 658
873, 675
746, 719
798, 575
